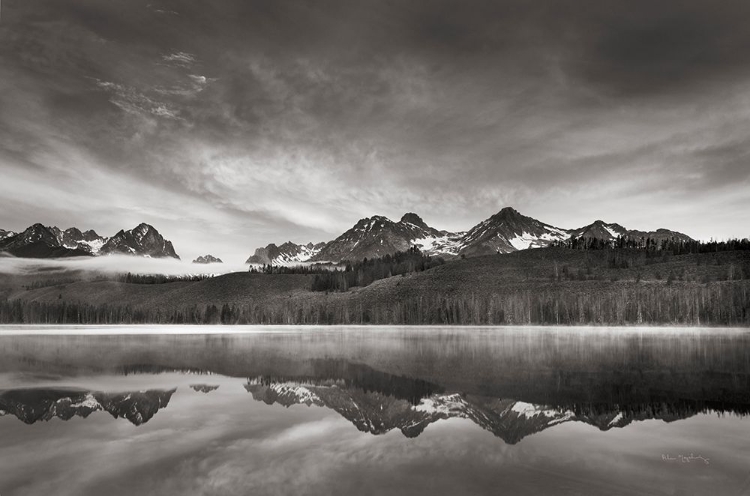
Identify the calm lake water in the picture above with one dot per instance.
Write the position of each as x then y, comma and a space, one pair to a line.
123, 410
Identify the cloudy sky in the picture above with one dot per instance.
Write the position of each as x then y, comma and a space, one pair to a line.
234, 123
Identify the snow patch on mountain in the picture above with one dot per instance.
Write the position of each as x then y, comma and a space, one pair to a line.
448, 244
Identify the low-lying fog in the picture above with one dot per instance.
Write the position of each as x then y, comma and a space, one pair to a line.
115, 264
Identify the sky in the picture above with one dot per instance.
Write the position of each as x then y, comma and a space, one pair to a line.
232, 124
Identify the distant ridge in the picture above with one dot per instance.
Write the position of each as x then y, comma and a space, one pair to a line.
207, 259
286, 253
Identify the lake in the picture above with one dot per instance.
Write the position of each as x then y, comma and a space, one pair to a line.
371, 410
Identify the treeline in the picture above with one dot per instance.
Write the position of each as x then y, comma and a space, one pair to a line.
366, 272
321, 268
45, 283
726, 303
673, 245
158, 278
661, 408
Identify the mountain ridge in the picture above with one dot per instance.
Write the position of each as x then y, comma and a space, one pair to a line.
504, 232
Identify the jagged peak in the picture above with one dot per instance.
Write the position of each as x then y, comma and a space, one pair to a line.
508, 212
371, 221
38, 226
142, 239
606, 225
40, 229
412, 218
601, 223
143, 227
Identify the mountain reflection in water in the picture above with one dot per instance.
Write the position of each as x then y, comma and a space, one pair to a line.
512, 383
379, 411
35, 404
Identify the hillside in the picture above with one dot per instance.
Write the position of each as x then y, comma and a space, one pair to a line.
552, 285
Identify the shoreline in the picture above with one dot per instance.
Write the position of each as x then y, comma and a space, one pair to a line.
204, 329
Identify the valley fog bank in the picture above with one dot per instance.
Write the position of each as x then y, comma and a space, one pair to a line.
113, 264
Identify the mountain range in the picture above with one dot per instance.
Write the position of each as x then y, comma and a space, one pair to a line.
505, 232
39, 241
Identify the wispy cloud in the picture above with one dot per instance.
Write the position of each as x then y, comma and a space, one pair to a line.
132, 101
182, 59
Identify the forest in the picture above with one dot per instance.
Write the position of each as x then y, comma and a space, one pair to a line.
366, 272
718, 303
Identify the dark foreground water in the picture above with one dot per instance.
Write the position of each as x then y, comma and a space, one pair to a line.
374, 411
